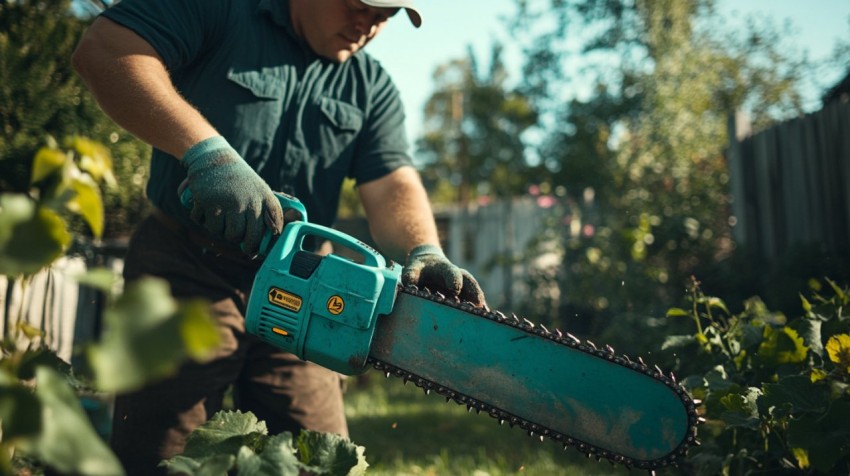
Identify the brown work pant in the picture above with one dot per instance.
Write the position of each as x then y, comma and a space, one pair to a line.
280, 389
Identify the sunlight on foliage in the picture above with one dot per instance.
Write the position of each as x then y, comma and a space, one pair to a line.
838, 348
34, 226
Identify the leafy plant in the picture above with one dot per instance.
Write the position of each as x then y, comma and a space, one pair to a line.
238, 442
775, 390
147, 335
148, 332
64, 182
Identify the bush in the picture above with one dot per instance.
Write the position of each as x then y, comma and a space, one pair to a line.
775, 390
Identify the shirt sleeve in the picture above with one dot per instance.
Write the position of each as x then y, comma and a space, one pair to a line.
383, 145
177, 29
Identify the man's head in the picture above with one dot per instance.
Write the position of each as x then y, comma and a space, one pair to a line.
336, 29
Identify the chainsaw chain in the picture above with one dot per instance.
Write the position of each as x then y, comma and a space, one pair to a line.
533, 429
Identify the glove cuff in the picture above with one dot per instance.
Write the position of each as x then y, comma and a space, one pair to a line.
426, 249
203, 148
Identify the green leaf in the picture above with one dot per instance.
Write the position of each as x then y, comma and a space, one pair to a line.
810, 331
47, 162
797, 394
824, 437
839, 293
717, 303
225, 433
31, 237
145, 338
782, 346
741, 410
102, 279
751, 336
677, 312
199, 337
41, 357
675, 342
20, 410
87, 203
67, 442
211, 465
802, 457
31, 332
717, 379
331, 454
94, 158
807, 306
278, 457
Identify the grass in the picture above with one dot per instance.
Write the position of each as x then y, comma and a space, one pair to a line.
406, 433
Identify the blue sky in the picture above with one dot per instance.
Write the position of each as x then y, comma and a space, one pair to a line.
449, 26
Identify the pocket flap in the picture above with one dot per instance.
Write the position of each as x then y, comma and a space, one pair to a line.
262, 85
341, 114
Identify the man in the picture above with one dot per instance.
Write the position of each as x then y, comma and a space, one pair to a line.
239, 98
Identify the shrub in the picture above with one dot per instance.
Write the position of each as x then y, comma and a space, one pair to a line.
775, 390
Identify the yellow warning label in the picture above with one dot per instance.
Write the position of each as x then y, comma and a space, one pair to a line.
335, 305
286, 300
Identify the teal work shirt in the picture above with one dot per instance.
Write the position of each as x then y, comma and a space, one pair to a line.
302, 122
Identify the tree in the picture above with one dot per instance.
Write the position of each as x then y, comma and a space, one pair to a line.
41, 96
474, 123
648, 141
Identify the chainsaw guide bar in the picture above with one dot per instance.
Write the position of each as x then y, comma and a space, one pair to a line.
566, 416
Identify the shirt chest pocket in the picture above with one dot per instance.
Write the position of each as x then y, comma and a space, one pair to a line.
331, 134
260, 97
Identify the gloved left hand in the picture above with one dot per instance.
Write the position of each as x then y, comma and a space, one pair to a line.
428, 267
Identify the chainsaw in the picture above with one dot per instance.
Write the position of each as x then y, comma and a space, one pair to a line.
352, 314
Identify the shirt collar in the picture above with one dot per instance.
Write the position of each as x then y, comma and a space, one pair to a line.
278, 11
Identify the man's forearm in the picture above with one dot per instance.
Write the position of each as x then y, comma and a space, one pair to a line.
131, 84
399, 213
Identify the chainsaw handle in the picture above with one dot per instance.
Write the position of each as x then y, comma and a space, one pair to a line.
295, 233
287, 202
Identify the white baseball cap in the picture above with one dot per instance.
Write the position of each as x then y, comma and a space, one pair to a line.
412, 12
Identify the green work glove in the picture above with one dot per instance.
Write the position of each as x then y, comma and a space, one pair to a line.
428, 267
229, 199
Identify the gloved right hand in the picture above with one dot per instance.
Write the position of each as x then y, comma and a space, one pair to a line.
229, 198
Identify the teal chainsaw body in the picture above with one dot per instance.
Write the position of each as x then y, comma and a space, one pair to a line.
321, 308
347, 313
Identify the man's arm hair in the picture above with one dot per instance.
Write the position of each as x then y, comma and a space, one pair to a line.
399, 213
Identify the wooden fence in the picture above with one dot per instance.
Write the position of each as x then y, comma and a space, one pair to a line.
68, 314
791, 183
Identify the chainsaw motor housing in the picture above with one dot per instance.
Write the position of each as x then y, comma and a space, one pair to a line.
321, 308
